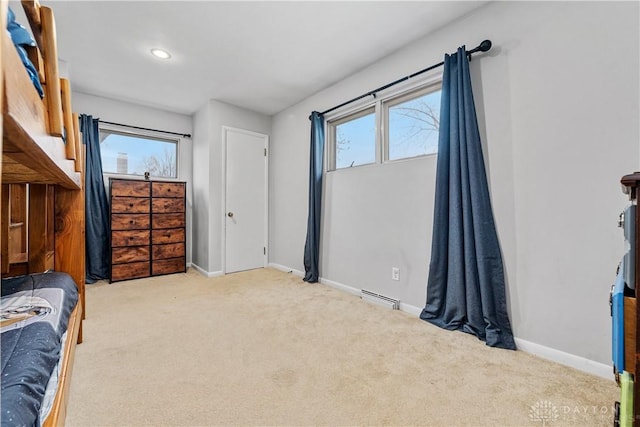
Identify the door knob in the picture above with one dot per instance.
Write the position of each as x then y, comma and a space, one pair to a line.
230, 214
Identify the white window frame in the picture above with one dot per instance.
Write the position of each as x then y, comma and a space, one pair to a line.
147, 134
396, 100
333, 155
379, 104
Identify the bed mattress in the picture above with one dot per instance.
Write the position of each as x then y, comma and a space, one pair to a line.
35, 315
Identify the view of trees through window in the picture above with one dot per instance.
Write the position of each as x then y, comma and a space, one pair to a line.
135, 155
413, 127
410, 126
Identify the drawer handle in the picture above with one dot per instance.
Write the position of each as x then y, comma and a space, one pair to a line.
130, 221
130, 205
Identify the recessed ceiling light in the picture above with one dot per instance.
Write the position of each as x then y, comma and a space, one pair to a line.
160, 53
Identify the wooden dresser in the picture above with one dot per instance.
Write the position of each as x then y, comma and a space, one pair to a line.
147, 228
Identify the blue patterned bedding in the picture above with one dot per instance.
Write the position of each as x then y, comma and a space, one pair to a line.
35, 311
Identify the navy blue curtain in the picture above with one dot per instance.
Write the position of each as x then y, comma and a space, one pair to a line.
312, 244
96, 204
466, 286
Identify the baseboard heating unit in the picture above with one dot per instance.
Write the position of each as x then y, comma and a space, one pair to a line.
381, 300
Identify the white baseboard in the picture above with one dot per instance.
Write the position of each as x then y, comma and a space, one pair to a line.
286, 269
340, 286
411, 309
567, 359
408, 308
558, 356
207, 273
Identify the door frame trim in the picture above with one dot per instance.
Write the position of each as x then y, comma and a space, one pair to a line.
223, 192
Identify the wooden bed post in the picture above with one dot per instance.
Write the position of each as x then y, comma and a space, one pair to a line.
4, 249
67, 115
70, 237
52, 80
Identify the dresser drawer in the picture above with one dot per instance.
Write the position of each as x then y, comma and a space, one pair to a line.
130, 238
167, 266
130, 271
167, 205
129, 205
129, 254
171, 220
168, 235
130, 188
129, 221
170, 250
167, 189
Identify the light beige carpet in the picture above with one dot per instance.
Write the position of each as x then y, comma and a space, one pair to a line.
264, 348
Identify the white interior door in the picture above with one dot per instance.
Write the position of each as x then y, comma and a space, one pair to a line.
245, 200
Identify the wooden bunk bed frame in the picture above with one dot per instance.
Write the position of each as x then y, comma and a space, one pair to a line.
34, 153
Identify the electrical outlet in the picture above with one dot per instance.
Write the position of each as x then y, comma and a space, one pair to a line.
395, 273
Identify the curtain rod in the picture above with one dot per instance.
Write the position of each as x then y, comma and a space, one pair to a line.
482, 47
184, 135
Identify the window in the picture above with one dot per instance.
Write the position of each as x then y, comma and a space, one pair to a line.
397, 126
355, 139
133, 154
412, 125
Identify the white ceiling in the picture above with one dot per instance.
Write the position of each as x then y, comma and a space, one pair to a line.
260, 55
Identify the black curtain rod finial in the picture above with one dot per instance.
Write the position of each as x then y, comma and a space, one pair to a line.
482, 47
485, 45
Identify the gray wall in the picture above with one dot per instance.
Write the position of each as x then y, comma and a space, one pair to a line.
207, 167
202, 134
137, 115
557, 100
